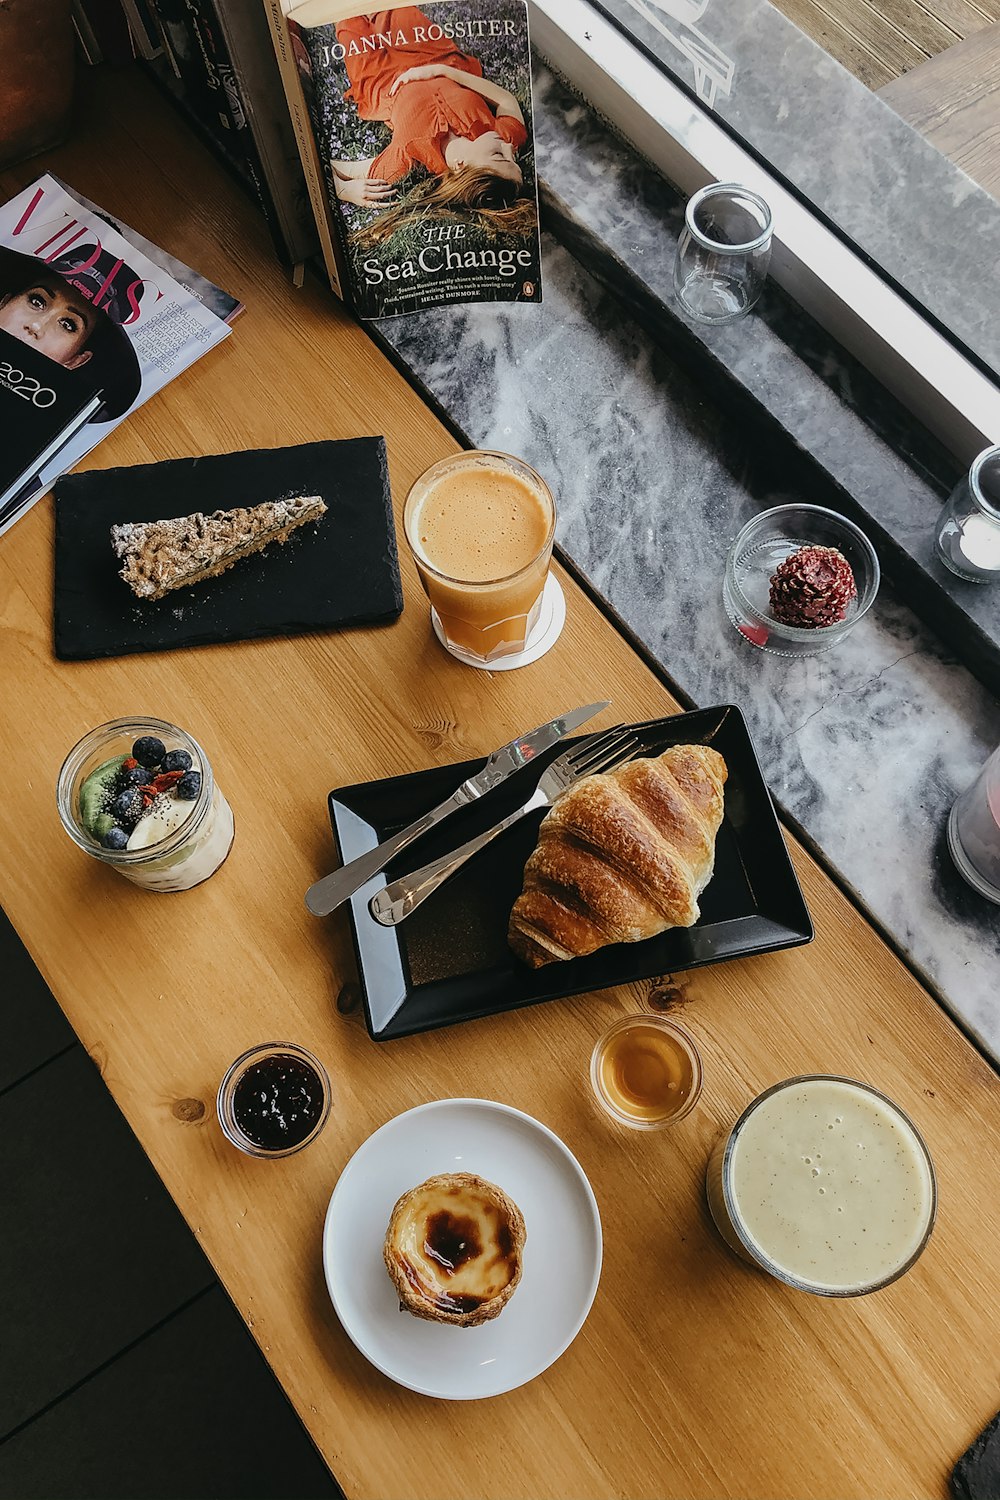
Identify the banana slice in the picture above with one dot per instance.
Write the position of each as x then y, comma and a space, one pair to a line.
165, 814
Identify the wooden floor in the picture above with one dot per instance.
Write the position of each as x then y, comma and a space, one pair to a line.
877, 40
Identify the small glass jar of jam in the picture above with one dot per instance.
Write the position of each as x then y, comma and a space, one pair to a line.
274, 1100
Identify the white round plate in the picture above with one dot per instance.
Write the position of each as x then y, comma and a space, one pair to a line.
562, 1255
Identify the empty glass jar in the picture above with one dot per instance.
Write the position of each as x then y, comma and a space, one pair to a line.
968, 530
723, 253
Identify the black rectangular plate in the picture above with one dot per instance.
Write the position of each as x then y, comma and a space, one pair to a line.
450, 962
341, 570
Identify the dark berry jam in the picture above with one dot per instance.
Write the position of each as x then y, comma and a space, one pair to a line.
278, 1102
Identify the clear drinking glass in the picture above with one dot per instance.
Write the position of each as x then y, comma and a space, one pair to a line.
968, 529
723, 253
481, 526
188, 853
974, 831
646, 1072
825, 1184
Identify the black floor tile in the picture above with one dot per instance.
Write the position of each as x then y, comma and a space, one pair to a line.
93, 1252
34, 1029
191, 1411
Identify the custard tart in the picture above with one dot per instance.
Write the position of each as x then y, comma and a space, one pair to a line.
454, 1249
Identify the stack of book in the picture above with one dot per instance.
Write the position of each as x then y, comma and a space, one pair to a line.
396, 144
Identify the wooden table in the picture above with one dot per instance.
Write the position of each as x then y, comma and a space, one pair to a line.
693, 1376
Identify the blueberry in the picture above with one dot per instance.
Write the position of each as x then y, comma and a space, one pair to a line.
115, 838
189, 786
135, 776
148, 750
177, 760
127, 806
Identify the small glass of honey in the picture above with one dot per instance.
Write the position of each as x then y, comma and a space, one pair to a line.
646, 1072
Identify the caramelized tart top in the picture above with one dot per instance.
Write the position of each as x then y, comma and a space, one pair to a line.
454, 1245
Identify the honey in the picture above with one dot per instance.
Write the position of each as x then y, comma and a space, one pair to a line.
646, 1072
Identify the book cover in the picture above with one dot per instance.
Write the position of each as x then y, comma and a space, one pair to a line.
77, 295
145, 32
187, 27
227, 103
229, 87
422, 120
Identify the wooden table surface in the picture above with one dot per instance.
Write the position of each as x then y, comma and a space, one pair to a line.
693, 1376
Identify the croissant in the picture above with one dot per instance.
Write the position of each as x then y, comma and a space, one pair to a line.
621, 857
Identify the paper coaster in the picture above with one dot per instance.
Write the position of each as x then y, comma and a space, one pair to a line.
543, 637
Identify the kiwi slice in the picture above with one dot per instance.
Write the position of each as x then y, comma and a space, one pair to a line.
94, 794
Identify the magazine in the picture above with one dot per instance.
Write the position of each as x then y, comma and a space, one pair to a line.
422, 121
92, 327
208, 294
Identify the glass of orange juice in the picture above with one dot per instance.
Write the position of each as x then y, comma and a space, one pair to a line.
480, 526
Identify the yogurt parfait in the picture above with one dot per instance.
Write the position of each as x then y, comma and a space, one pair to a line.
139, 794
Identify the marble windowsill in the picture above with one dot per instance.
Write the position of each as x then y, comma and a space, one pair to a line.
864, 748
889, 474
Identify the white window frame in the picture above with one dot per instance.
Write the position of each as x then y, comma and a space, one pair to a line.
911, 358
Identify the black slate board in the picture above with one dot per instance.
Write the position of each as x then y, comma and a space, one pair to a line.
342, 570
450, 960
976, 1476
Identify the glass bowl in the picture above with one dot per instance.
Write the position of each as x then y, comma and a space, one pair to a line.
754, 556
188, 853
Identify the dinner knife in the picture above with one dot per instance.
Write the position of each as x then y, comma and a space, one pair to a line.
330, 892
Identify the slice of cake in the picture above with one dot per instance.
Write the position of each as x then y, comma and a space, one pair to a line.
164, 555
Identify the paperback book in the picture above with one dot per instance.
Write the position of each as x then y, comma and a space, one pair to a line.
91, 325
422, 124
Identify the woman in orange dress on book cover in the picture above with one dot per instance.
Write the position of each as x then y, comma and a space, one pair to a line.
444, 116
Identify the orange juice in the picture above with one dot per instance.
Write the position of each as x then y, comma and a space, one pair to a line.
480, 527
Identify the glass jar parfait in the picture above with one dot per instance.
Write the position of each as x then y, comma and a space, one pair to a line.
158, 816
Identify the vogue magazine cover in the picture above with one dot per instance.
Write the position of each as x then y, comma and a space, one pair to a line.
90, 328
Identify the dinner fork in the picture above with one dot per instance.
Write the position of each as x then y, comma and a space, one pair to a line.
599, 752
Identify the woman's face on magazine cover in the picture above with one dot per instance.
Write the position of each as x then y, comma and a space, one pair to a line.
52, 319
493, 154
